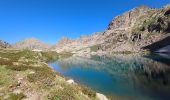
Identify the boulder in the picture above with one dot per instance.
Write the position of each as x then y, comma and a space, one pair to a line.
70, 81
101, 96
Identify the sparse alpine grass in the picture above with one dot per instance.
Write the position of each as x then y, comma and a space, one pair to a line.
27, 71
95, 48
14, 96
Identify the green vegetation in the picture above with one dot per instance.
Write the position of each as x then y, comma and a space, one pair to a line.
155, 21
123, 52
88, 92
68, 92
95, 48
50, 55
26, 70
14, 96
138, 29
6, 79
65, 54
42, 74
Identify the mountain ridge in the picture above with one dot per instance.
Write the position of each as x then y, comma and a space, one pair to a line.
31, 44
131, 31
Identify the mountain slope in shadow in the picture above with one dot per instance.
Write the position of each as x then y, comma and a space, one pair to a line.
159, 46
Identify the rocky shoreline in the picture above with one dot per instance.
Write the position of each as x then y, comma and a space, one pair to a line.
27, 76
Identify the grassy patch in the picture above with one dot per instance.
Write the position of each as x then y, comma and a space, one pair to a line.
15, 56
5, 62
44, 75
7, 80
65, 54
50, 55
89, 92
71, 92
33, 73
17, 68
123, 52
95, 48
14, 96
6, 77
62, 94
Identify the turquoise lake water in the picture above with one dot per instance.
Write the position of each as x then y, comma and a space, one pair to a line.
130, 77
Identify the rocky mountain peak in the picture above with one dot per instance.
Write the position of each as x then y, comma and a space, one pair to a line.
142, 7
63, 40
31, 43
127, 19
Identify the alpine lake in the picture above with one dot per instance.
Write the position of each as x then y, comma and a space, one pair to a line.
120, 77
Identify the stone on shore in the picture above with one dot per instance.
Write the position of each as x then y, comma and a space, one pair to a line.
70, 81
101, 96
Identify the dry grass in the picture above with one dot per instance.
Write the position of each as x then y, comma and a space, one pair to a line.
44, 80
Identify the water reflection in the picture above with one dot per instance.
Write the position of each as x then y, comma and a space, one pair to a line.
124, 76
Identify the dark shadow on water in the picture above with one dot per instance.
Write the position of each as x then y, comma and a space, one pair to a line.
160, 57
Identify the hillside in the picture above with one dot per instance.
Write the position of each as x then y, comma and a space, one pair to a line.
4, 44
140, 29
132, 31
31, 44
145, 28
25, 75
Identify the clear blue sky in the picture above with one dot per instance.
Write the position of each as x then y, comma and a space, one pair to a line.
49, 20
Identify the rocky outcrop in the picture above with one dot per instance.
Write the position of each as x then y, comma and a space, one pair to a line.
63, 41
127, 19
32, 44
131, 31
142, 26
79, 44
4, 44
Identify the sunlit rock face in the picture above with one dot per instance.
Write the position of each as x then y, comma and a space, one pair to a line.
131, 31
136, 29
79, 44
128, 19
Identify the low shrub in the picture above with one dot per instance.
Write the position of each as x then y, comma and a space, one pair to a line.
62, 94
50, 55
89, 92
43, 74
18, 68
14, 96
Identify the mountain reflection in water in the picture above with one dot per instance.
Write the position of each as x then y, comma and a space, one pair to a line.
131, 77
